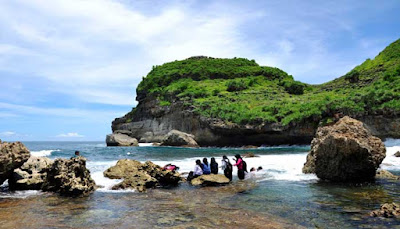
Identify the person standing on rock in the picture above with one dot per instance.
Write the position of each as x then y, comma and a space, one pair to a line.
226, 166
77, 154
214, 166
206, 167
240, 165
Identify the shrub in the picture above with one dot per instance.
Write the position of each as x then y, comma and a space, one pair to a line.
236, 85
353, 76
293, 87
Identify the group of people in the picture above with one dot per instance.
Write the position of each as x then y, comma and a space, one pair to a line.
212, 168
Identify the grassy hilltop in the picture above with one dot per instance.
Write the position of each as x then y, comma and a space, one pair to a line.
238, 90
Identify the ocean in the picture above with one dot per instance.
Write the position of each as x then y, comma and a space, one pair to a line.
279, 196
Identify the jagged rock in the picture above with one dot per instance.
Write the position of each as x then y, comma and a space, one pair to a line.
345, 151
12, 156
31, 175
69, 177
387, 210
141, 176
179, 138
397, 154
383, 174
210, 180
119, 139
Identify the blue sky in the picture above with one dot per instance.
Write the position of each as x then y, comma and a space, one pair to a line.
68, 68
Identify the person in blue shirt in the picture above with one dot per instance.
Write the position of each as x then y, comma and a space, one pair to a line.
206, 167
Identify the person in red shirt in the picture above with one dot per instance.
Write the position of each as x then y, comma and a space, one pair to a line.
239, 164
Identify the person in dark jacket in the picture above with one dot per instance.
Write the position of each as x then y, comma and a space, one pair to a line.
226, 167
214, 166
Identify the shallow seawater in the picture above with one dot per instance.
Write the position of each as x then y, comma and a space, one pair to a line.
279, 196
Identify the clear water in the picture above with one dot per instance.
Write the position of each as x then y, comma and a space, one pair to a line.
278, 196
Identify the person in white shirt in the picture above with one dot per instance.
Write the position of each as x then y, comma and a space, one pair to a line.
198, 171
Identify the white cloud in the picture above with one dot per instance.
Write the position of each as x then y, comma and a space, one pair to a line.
70, 135
97, 51
8, 134
60, 112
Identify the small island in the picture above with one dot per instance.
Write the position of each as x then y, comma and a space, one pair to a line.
236, 102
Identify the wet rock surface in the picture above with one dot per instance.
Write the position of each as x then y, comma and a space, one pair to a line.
397, 154
179, 138
210, 180
345, 151
387, 210
12, 155
383, 174
31, 175
69, 177
141, 176
119, 139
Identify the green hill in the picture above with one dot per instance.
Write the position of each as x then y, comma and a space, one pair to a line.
240, 91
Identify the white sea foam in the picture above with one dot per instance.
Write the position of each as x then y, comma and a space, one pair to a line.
391, 162
275, 167
19, 194
145, 144
43, 153
97, 168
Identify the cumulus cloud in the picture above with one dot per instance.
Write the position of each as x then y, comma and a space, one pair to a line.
70, 135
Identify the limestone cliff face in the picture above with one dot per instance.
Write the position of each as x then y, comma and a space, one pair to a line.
151, 122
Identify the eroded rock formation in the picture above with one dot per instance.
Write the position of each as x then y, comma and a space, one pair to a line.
210, 180
179, 138
345, 151
140, 176
387, 210
119, 139
31, 175
12, 156
69, 177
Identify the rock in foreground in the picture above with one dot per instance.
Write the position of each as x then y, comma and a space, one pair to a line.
210, 180
345, 151
31, 175
387, 210
178, 138
12, 156
120, 140
397, 154
140, 176
69, 177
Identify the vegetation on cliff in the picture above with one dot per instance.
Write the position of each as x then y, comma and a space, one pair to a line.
240, 91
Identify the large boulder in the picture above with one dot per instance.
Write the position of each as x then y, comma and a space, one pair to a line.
210, 180
345, 151
140, 176
387, 210
179, 138
12, 156
31, 175
69, 177
118, 139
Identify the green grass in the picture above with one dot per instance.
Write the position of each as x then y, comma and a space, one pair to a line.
240, 91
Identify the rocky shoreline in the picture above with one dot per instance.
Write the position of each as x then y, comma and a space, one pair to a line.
68, 177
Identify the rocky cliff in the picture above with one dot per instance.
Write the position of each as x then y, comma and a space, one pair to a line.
234, 102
